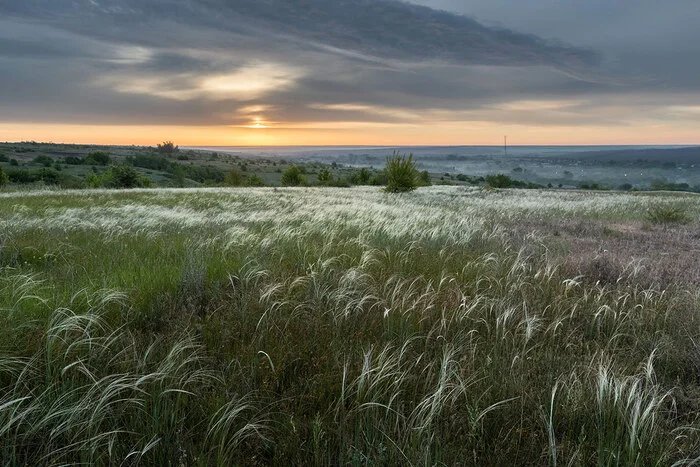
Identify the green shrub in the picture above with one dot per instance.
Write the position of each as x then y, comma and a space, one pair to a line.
20, 176
4, 158
339, 183
292, 176
425, 178
92, 180
401, 174
71, 160
667, 214
4, 180
499, 181
150, 162
379, 179
361, 177
124, 176
325, 177
233, 178
14, 162
97, 158
46, 161
254, 180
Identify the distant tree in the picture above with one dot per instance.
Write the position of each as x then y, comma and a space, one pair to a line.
325, 177
4, 180
361, 177
659, 184
233, 178
178, 172
98, 158
71, 160
254, 180
167, 148
46, 161
122, 176
401, 174
292, 176
14, 162
47, 175
92, 180
499, 181
425, 178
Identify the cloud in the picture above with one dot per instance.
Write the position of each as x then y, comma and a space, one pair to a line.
327, 63
371, 28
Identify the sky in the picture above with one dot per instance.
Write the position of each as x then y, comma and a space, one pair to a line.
350, 72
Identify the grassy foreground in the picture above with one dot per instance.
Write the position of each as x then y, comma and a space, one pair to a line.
324, 326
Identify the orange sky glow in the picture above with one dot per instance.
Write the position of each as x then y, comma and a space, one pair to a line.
310, 134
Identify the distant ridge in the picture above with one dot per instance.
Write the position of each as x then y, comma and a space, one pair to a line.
687, 155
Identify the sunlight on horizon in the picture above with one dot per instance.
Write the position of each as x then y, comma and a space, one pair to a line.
259, 133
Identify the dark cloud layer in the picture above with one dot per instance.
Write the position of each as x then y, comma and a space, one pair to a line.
148, 61
383, 29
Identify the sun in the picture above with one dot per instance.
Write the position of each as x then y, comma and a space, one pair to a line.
258, 124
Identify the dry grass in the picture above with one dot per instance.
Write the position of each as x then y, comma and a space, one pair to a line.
634, 252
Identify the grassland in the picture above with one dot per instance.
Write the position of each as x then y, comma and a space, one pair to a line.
317, 326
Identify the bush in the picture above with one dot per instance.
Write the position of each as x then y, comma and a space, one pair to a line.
45, 175
325, 177
168, 147
97, 158
4, 180
254, 180
667, 214
150, 162
292, 176
20, 176
379, 179
425, 178
92, 180
14, 162
71, 160
124, 176
401, 174
46, 161
233, 178
4, 158
361, 177
339, 183
499, 181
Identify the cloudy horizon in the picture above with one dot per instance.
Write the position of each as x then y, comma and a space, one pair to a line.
370, 72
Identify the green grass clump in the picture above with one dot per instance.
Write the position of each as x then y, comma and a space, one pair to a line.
667, 214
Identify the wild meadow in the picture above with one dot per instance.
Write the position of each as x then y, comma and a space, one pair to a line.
323, 326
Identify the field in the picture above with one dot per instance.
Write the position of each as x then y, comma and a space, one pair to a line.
311, 326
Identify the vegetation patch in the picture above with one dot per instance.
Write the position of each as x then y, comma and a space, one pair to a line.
667, 214
332, 327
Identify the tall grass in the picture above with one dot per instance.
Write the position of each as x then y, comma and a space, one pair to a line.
308, 327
